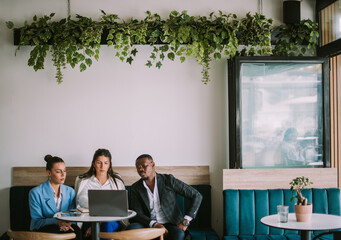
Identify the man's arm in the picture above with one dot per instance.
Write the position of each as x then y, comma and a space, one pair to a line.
188, 192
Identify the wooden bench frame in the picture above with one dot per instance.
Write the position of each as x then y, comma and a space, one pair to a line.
33, 176
277, 178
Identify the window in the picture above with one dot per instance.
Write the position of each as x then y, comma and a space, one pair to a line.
277, 112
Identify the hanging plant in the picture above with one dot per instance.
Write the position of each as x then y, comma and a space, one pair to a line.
189, 36
123, 35
77, 41
254, 34
295, 39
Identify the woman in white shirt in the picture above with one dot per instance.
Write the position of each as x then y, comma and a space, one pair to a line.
99, 176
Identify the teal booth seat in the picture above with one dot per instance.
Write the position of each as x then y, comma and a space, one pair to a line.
200, 226
243, 210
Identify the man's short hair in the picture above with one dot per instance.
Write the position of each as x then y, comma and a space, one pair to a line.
144, 156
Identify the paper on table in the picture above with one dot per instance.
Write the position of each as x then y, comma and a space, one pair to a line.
83, 210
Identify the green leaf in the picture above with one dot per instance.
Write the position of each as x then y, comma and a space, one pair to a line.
82, 67
171, 56
158, 65
149, 63
134, 52
88, 62
153, 56
217, 56
129, 60
175, 13
9, 24
182, 59
89, 52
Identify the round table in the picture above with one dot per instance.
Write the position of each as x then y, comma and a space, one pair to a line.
318, 222
94, 220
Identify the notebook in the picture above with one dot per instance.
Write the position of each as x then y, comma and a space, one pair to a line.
112, 203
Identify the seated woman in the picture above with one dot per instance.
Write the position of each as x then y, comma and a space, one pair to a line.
99, 176
51, 197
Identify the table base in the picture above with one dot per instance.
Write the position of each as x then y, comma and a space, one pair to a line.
305, 235
95, 226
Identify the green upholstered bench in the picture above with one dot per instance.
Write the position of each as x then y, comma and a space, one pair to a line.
243, 210
200, 227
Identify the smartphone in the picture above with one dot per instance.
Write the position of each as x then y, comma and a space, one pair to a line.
71, 214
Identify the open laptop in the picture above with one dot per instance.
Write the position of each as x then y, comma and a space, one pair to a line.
113, 203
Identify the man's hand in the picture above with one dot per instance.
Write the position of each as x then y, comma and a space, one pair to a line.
181, 226
159, 225
87, 232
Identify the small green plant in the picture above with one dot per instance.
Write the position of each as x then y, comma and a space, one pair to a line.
296, 187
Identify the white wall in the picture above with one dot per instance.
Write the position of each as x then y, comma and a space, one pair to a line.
130, 110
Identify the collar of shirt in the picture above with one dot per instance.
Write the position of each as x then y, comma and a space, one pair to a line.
156, 213
95, 184
57, 200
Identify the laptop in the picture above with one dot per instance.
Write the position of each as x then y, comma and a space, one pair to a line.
113, 203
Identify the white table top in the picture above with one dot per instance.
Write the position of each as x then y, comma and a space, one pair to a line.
84, 217
318, 222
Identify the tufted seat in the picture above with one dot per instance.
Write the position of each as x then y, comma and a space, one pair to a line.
243, 210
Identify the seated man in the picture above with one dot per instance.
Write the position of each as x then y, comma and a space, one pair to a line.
154, 199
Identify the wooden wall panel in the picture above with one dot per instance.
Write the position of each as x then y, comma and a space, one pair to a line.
335, 114
277, 178
33, 176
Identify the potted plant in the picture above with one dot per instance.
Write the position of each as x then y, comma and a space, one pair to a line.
303, 209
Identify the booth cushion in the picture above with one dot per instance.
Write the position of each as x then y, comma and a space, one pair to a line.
243, 210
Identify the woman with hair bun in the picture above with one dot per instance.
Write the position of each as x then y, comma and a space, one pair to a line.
51, 197
99, 176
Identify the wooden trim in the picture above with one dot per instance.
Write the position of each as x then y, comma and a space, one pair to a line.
277, 178
321, 4
335, 115
33, 176
137, 234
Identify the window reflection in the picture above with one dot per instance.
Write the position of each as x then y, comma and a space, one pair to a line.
281, 115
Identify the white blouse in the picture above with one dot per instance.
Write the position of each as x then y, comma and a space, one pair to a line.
83, 185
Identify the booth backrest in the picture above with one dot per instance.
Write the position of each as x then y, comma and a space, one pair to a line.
33, 176
25, 178
243, 209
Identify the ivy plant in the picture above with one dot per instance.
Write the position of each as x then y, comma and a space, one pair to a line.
254, 34
76, 42
295, 39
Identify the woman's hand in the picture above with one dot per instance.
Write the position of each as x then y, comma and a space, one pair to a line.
65, 226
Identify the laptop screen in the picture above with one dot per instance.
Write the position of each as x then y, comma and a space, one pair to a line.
112, 203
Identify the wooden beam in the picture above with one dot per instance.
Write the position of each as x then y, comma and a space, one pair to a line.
277, 178
33, 176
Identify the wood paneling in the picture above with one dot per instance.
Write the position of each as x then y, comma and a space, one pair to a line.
335, 114
277, 178
33, 176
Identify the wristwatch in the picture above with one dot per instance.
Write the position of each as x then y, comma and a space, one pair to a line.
185, 222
